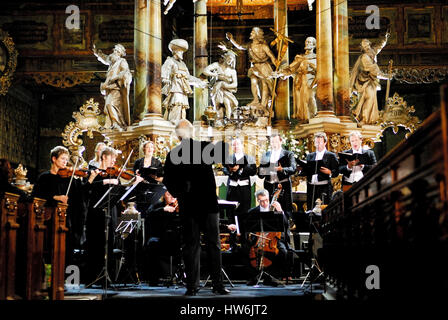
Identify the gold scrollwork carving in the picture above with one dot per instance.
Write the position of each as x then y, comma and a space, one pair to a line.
86, 121
63, 79
396, 114
8, 61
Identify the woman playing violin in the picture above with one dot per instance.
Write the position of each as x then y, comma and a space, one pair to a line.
97, 185
49, 185
148, 161
54, 188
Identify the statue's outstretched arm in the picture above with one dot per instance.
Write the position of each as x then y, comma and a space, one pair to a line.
229, 37
103, 58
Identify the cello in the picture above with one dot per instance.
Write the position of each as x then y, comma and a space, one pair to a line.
266, 241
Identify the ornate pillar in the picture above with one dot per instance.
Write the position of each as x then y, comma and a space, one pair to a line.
282, 99
200, 56
324, 94
341, 60
154, 63
141, 49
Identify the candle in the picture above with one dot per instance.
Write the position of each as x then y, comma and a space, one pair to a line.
210, 131
268, 131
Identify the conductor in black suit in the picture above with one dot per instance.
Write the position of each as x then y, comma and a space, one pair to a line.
353, 171
189, 177
239, 167
276, 167
319, 183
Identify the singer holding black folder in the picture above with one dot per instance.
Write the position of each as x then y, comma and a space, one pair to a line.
152, 165
355, 167
319, 168
277, 166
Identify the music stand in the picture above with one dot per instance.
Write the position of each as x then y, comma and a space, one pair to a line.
225, 205
314, 214
129, 222
268, 221
108, 200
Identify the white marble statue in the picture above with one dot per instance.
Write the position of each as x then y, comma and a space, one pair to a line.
303, 70
364, 82
177, 81
260, 72
169, 4
224, 82
116, 87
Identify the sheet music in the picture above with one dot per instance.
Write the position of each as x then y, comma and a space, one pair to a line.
234, 203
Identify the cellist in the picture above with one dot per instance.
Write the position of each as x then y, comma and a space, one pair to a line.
250, 240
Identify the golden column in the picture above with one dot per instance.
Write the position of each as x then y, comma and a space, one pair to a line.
200, 56
324, 53
141, 49
154, 63
282, 99
341, 60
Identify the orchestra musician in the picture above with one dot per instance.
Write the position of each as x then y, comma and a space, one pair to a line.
97, 185
277, 166
162, 227
239, 167
249, 240
54, 188
319, 183
353, 171
95, 162
193, 184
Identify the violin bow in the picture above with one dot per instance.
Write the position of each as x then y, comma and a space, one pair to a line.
124, 165
71, 178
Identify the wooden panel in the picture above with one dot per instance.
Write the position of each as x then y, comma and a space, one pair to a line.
8, 234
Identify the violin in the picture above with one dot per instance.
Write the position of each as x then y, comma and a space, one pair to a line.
266, 241
115, 172
68, 172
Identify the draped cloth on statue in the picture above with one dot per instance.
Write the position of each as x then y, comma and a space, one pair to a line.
176, 90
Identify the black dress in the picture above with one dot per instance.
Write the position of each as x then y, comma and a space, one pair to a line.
95, 230
148, 193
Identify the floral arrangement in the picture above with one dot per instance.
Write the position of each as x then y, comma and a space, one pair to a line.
297, 146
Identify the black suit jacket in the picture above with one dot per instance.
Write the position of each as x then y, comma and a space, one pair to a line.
286, 160
330, 161
247, 168
193, 184
367, 166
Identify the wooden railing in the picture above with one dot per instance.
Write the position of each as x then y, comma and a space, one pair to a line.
395, 218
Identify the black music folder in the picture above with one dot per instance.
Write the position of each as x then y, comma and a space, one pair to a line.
312, 167
344, 157
151, 171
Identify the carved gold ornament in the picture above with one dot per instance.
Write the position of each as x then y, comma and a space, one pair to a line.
8, 61
86, 121
396, 114
63, 79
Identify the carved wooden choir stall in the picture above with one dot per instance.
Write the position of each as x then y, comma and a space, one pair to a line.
38, 231
394, 219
